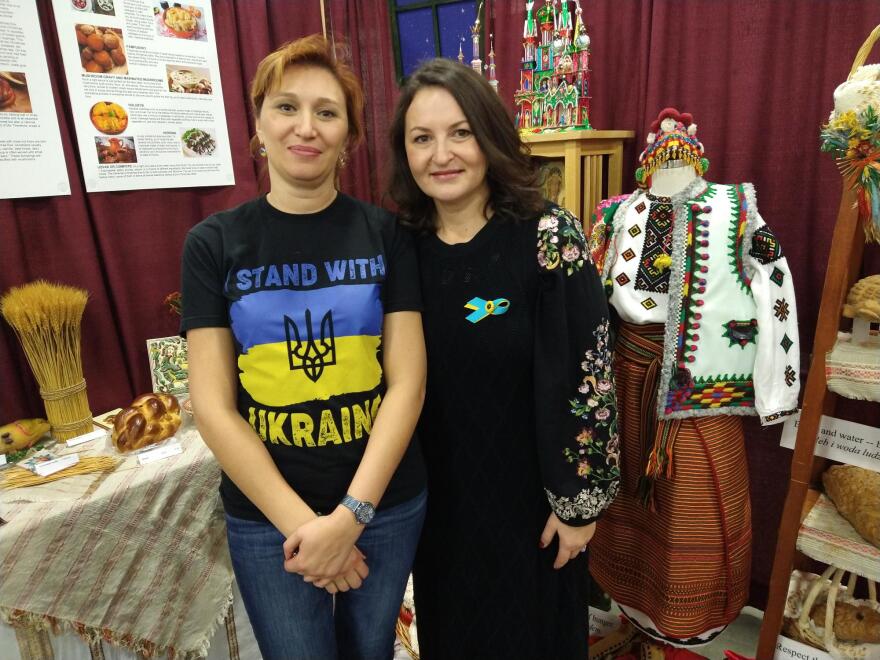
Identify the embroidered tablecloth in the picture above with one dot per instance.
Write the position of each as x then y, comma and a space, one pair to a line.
827, 537
137, 557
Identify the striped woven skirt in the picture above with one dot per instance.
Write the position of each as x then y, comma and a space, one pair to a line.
683, 560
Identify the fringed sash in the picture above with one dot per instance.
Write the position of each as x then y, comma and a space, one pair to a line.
643, 346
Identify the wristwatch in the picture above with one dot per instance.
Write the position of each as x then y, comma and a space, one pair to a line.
363, 511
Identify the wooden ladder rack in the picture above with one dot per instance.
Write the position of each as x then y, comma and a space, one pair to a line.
844, 265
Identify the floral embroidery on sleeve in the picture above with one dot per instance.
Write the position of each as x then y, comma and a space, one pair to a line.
595, 453
597, 459
561, 241
588, 503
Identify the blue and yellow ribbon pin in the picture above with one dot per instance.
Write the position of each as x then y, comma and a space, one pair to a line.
483, 308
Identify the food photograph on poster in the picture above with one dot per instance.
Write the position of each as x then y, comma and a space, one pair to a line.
440, 329
14, 96
101, 49
188, 80
115, 150
108, 117
180, 21
198, 142
105, 7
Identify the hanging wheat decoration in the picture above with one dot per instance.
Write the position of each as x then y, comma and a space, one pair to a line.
46, 318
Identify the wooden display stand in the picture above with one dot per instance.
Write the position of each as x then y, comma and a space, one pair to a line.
847, 247
844, 266
588, 156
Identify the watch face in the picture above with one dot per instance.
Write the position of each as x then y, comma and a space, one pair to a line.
365, 513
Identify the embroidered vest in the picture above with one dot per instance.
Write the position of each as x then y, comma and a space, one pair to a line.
711, 325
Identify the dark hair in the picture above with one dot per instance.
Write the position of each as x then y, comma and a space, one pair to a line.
511, 175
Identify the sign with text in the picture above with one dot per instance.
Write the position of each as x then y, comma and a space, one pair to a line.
31, 154
839, 440
603, 623
145, 93
167, 449
788, 649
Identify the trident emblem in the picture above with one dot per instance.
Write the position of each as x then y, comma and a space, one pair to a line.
312, 355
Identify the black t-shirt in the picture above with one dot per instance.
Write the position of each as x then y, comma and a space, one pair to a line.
304, 297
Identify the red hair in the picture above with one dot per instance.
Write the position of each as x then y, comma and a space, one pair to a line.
313, 50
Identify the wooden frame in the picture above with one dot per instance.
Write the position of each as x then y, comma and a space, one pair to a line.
588, 155
394, 11
552, 179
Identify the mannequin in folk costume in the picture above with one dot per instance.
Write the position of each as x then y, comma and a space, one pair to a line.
707, 333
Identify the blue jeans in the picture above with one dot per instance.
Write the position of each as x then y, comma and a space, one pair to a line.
293, 620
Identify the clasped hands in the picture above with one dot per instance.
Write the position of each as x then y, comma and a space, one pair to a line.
322, 550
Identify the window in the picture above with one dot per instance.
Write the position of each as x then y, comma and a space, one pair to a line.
423, 29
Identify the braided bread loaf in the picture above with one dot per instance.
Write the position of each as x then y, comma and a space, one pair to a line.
149, 419
856, 494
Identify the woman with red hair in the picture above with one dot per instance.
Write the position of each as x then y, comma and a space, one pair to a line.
307, 372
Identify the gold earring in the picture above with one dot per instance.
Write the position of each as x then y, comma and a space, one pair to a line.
262, 150
342, 161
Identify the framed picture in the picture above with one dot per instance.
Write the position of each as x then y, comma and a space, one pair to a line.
552, 179
105, 420
168, 365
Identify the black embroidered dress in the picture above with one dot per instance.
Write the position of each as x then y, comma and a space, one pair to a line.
519, 417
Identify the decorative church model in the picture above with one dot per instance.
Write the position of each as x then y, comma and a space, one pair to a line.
554, 93
476, 62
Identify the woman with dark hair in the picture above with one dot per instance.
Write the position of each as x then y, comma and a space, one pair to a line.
519, 427
307, 367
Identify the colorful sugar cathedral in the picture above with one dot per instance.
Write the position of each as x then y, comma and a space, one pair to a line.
476, 62
554, 89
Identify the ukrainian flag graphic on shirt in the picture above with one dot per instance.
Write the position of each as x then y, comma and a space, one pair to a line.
300, 346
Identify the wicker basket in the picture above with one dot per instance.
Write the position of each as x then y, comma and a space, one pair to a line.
829, 585
862, 86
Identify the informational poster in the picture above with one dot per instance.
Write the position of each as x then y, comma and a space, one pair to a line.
840, 440
31, 155
145, 92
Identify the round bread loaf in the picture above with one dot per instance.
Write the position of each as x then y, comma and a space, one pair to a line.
852, 623
149, 419
95, 42
103, 58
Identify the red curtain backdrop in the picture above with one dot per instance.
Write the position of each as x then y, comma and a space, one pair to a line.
758, 76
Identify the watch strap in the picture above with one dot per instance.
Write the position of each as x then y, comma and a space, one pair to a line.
363, 511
